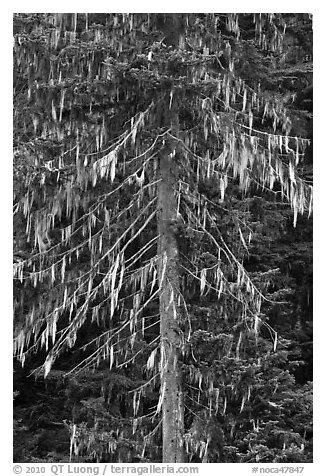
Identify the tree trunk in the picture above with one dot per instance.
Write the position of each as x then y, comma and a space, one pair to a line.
168, 274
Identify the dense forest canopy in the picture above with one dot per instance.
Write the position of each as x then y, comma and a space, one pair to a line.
162, 233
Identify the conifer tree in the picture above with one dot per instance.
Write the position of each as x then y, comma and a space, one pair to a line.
120, 121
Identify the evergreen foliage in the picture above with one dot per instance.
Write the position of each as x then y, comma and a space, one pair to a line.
113, 112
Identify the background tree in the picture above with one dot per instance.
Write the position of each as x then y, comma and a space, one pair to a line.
139, 148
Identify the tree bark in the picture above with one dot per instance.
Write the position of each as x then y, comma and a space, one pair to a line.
171, 340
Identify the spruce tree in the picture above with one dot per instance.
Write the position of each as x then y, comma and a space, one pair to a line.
121, 122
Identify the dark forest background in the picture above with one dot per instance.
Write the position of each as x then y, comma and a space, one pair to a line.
249, 395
